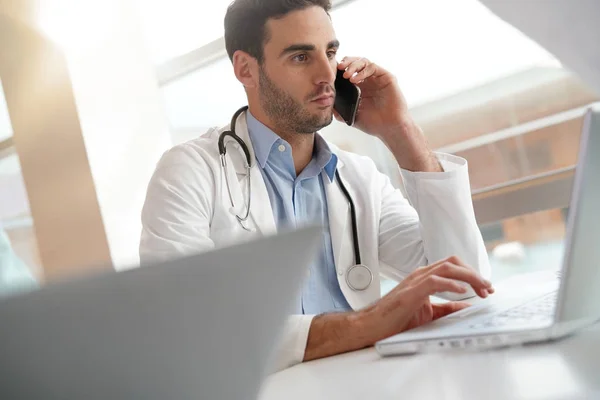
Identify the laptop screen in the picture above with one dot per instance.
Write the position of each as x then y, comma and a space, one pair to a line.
579, 297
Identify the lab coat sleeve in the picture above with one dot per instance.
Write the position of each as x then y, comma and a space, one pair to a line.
435, 222
292, 344
177, 212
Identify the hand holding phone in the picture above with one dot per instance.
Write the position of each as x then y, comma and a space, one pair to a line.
347, 98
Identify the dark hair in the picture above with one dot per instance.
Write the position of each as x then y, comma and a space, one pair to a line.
245, 22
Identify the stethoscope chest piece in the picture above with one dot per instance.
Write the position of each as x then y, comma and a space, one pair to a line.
359, 277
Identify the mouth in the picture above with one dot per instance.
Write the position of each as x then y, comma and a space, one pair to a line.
325, 100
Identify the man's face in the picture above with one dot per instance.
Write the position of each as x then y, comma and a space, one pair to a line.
296, 87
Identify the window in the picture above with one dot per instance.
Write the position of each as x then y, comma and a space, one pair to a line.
5, 126
175, 27
531, 153
19, 260
205, 98
435, 47
532, 242
527, 243
459, 85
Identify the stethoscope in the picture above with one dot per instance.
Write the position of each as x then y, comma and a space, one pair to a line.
358, 277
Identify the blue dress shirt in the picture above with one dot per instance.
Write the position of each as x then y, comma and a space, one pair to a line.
297, 201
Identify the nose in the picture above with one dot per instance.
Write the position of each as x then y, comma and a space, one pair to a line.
325, 71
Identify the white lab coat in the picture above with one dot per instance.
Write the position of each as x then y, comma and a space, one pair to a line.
187, 210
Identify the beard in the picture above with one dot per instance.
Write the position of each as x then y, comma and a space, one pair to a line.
287, 113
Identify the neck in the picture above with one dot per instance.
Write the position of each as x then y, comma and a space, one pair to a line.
302, 149
302, 143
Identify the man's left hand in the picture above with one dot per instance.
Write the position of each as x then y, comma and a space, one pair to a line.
383, 112
382, 107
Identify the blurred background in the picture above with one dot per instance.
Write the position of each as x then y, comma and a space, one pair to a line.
136, 77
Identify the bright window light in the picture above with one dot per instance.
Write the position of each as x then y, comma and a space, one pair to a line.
77, 25
206, 98
436, 47
176, 27
5, 126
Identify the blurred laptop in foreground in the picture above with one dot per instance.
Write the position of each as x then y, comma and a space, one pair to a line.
200, 327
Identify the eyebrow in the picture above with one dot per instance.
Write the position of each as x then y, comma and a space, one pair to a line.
307, 47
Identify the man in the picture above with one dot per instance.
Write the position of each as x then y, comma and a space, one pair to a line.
285, 55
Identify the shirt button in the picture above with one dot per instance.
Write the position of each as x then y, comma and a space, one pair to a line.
281, 148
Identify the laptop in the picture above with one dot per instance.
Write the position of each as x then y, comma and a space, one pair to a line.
200, 327
550, 311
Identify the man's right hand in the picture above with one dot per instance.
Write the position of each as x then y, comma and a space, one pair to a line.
405, 307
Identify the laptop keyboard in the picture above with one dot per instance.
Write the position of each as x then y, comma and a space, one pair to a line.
536, 311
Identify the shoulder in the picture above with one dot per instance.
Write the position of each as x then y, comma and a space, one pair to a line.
357, 163
201, 151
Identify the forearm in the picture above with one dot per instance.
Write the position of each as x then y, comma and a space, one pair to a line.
410, 148
332, 334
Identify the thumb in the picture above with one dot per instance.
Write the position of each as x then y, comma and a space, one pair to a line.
441, 310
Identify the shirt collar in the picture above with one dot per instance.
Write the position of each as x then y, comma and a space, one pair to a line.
264, 138
324, 156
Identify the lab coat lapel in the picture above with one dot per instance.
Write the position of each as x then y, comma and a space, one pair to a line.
339, 216
260, 206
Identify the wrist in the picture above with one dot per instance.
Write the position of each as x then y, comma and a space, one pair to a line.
409, 146
364, 327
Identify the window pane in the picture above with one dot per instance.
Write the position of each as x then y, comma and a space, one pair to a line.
532, 153
176, 27
205, 98
435, 47
5, 127
529, 243
19, 260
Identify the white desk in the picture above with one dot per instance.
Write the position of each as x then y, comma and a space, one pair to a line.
567, 369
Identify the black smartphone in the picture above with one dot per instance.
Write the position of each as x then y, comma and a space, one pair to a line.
347, 98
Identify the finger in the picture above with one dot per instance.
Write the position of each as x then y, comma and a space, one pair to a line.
367, 72
422, 271
441, 310
347, 61
355, 66
452, 260
461, 274
433, 284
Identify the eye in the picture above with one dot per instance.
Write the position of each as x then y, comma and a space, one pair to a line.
331, 54
300, 57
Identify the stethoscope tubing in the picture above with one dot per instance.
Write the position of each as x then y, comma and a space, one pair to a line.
241, 219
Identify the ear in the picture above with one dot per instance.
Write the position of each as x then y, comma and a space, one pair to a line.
245, 68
